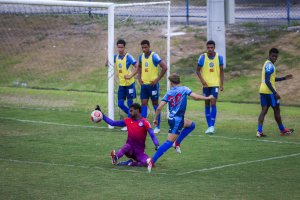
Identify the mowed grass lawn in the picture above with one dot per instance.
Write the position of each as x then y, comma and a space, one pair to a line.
57, 153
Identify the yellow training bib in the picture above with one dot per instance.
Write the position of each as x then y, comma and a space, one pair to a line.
122, 71
211, 71
149, 70
264, 89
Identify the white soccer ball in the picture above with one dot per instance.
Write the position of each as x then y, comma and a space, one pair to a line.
96, 116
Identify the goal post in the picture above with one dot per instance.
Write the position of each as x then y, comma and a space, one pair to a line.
159, 16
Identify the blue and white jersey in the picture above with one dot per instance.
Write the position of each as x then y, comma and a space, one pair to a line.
269, 68
201, 60
129, 60
176, 98
155, 58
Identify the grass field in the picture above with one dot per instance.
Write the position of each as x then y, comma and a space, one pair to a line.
53, 151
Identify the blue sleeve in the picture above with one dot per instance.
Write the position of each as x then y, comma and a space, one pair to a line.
221, 62
268, 83
156, 59
111, 122
188, 91
153, 137
269, 69
165, 98
280, 79
130, 60
115, 57
140, 58
201, 60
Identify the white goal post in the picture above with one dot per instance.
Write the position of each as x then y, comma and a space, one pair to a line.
111, 7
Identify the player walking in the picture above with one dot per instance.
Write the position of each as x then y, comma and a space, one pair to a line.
269, 96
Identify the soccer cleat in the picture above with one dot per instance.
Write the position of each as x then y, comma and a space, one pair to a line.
124, 128
156, 130
210, 130
286, 132
150, 164
260, 134
177, 147
124, 163
114, 158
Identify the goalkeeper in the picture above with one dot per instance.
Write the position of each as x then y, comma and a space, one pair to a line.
134, 148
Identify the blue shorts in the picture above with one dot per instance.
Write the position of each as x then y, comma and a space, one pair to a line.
269, 100
147, 91
176, 124
211, 91
128, 92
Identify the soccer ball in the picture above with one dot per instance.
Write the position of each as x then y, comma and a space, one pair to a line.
96, 116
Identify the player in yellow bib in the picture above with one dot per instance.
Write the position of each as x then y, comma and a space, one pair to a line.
149, 77
126, 68
211, 74
269, 96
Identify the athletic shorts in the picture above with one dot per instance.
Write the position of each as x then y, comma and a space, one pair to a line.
138, 154
176, 124
128, 92
147, 91
269, 100
211, 91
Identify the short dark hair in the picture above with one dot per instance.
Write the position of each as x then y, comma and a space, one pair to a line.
145, 42
136, 106
273, 50
174, 78
211, 42
121, 41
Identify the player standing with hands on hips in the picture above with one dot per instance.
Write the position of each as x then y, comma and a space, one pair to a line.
149, 77
269, 96
211, 74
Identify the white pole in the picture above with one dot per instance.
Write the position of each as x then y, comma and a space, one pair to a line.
230, 11
110, 74
168, 50
216, 25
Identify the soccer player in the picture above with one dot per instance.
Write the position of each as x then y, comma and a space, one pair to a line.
123, 64
134, 148
176, 98
149, 77
211, 74
269, 96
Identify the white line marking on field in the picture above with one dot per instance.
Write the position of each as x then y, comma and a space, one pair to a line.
191, 135
75, 166
237, 164
49, 123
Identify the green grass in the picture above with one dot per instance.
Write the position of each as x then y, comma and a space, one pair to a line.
53, 151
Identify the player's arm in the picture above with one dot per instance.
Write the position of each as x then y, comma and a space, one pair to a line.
199, 70
198, 97
269, 85
289, 76
163, 67
153, 138
109, 121
139, 70
158, 111
134, 70
221, 63
120, 123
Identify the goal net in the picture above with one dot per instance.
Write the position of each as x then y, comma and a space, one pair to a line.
53, 54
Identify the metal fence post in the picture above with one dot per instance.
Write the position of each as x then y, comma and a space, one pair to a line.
187, 12
288, 11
